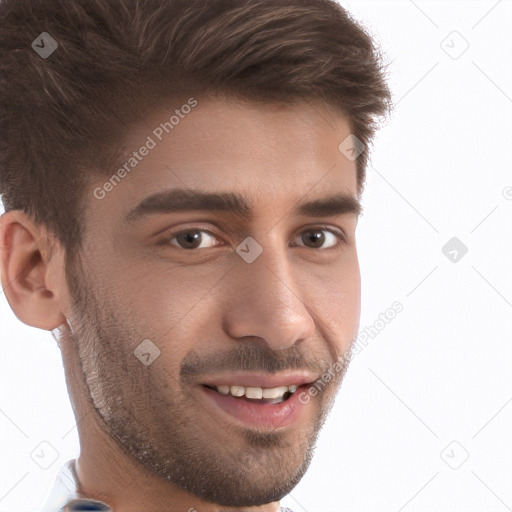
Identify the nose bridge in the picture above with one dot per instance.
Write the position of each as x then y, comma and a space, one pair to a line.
266, 302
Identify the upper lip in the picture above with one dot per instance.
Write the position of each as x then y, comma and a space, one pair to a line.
261, 380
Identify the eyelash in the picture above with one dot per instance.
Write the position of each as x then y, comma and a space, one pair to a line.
342, 240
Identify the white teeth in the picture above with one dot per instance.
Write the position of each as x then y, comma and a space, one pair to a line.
223, 389
256, 392
253, 393
275, 392
237, 390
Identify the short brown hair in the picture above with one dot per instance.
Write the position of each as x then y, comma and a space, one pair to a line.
63, 117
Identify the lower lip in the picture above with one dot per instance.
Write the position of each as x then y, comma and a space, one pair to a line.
265, 415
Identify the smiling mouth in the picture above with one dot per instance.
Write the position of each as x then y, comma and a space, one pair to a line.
274, 408
258, 395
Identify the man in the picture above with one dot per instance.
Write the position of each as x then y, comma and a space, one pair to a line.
182, 184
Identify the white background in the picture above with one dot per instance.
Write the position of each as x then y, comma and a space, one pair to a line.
433, 389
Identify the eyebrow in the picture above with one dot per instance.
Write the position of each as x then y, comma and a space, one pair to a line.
179, 200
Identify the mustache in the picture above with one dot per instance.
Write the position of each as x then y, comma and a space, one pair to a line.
249, 357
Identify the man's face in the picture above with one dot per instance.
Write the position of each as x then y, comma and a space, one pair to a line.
217, 315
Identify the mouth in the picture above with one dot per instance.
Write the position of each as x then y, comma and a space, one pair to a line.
251, 406
275, 395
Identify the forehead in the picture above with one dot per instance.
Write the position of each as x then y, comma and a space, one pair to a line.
268, 153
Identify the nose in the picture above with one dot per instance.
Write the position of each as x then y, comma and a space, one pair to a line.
266, 302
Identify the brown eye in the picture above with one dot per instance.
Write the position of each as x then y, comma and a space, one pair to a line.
316, 238
191, 239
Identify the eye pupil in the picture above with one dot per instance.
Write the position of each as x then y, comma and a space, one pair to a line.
188, 238
318, 236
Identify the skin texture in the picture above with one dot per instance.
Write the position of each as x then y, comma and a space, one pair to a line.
147, 440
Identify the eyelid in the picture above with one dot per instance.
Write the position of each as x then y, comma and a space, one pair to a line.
172, 234
337, 232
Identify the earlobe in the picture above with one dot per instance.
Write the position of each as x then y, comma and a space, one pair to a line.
25, 258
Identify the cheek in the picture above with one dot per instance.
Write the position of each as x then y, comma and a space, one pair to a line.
337, 299
166, 303
344, 307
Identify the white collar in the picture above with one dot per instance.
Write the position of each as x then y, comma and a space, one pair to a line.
64, 496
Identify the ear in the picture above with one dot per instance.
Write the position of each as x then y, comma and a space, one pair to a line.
28, 266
